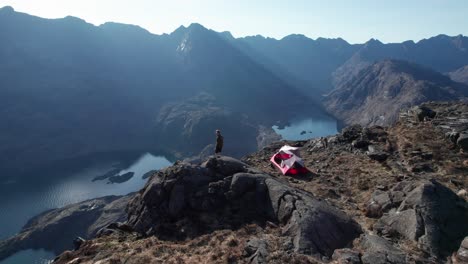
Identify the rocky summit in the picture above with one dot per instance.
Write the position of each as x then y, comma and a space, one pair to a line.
374, 195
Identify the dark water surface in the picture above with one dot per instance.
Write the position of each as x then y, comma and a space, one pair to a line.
21, 200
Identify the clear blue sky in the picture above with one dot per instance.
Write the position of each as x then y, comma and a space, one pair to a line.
354, 20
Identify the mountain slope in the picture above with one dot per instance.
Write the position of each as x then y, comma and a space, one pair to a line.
460, 75
309, 63
70, 88
441, 53
376, 94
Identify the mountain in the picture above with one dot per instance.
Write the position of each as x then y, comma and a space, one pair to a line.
441, 53
460, 75
70, 88
309, 63
377, 93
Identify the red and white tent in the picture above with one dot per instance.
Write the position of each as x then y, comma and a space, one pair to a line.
289, 161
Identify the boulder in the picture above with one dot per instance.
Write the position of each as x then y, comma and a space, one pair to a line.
432, 215
360, 143
376, 153
225, 193
380, 251
452, 136
382, 201
420, 113
462, 140
77, 242
351, 133
256, 250
346, 256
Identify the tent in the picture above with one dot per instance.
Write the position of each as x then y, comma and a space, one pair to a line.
289, 161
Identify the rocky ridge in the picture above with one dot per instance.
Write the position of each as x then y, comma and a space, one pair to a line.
375, 195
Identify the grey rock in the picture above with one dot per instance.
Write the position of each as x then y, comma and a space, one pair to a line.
176, 200
381, 202
225, 165
346, 256
462, 253
376, 153
230, 194
380, 251
77, 242
360, 143
374, 210
432, 215
420, 113
257, 251
351, 133
462, 140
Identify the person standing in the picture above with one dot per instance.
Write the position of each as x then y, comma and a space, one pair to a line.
219, 142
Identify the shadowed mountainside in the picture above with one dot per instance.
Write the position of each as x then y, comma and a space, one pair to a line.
376, 95
70, 88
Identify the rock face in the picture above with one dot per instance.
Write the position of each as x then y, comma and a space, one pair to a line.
188, 200
376, 95
55, 230
430, 214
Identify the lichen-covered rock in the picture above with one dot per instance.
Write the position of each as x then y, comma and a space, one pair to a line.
226, 193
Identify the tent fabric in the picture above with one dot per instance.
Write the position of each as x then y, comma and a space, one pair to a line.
289, 161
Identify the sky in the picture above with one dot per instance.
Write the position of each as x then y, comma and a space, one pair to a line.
353, 20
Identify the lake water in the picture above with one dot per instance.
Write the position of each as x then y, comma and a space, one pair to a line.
19, 202
306, 128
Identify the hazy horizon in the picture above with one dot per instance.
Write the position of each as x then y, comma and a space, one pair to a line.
388, 22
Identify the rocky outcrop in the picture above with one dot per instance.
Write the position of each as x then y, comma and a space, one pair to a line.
55, 230
430, 214
188, 200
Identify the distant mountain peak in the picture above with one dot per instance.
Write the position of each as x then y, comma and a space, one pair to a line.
226, 35
7, 9
373, 43
121, 26
196, 26
295, 37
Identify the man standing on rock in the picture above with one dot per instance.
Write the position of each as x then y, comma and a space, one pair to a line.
219, 142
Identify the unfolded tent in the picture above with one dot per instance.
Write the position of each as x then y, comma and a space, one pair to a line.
289, 161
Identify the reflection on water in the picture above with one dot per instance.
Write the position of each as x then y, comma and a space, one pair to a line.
306, 128
19, 201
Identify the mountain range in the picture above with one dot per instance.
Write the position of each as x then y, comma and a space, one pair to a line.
70, 89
